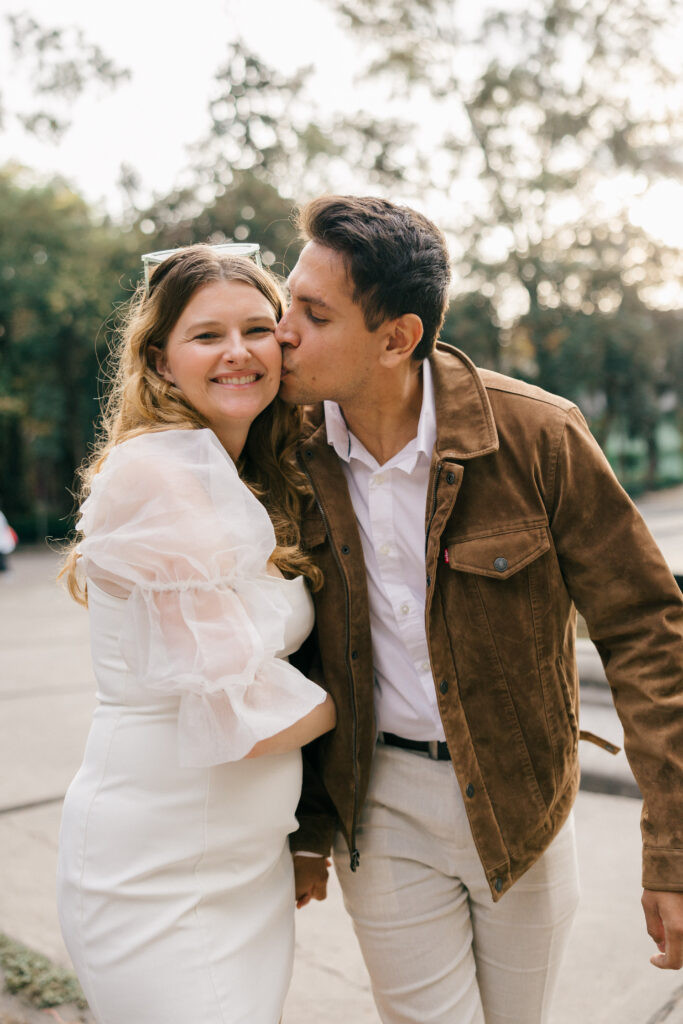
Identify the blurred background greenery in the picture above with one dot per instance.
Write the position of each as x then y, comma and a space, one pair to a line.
538, 114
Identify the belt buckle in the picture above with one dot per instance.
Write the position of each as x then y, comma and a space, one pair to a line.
433, 748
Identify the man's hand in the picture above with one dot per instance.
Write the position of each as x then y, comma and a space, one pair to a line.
664, 919
310, 879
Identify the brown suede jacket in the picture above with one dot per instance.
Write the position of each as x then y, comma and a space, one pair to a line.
524, 521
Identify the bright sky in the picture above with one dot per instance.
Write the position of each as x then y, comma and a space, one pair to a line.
173, 52
148, 121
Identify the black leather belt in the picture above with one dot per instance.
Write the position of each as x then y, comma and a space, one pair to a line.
435, 749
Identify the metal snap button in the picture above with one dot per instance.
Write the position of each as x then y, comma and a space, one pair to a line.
500, 564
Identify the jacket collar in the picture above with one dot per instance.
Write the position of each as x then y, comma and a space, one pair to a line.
465, 427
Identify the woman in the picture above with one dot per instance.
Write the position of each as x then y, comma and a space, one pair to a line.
175, 882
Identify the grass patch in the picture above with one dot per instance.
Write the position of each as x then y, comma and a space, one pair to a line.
36, 979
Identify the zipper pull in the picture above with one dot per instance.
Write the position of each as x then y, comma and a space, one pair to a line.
355, 859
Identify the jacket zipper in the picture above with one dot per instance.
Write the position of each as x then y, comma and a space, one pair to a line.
354, 854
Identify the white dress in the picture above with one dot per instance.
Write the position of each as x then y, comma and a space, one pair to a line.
175, 885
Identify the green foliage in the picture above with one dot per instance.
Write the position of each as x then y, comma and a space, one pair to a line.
270, 125
62, 272
248, 209
60, 64
535, 113
471, 326
556, 108
35, 978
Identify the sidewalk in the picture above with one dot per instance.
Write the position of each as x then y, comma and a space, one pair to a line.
46, 700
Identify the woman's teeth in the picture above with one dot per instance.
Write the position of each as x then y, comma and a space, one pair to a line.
248, 379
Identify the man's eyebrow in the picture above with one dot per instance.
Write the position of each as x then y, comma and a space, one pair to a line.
313, 300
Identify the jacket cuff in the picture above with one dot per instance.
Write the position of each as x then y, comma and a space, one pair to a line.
662, 869
314, 835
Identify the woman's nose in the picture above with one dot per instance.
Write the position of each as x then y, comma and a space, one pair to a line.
235, 347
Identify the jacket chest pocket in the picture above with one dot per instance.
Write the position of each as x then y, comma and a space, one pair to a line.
313, 532
505, 580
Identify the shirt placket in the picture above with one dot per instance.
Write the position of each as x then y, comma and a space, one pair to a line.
408, 614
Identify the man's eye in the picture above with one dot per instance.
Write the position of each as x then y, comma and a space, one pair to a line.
315, 319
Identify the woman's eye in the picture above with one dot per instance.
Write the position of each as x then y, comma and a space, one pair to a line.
261, 330
206, 336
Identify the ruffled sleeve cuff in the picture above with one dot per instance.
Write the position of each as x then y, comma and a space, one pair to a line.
224, 726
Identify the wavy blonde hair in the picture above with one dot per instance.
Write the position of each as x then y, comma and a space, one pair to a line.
140, 400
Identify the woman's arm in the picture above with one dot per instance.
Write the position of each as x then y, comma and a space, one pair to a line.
321, 719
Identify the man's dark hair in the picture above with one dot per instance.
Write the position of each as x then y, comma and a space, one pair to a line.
396, 258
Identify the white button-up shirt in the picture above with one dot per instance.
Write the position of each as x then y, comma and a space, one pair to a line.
389, 502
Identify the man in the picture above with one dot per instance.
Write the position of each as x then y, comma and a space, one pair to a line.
461, 516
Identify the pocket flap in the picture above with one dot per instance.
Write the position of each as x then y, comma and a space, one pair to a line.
500, 555
313, 530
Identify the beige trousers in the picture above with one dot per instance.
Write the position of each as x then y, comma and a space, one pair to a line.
437, 948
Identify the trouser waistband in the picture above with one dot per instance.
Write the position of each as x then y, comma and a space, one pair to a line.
437, 750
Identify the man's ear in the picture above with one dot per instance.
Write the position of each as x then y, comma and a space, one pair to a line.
402, 337
158, 360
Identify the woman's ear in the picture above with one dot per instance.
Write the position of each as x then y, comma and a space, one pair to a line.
157, 357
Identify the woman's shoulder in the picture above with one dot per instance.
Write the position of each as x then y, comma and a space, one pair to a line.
166, 472
176, 444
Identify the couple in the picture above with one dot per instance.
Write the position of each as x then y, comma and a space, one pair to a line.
447, 521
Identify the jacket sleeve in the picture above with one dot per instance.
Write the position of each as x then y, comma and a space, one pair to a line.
633, 608
316, 812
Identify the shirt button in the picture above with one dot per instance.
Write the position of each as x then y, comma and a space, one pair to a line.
405, 608
470, 790
500, 564
385, 549
443, 686
425, 666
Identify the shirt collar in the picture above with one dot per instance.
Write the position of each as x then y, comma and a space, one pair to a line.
346, 445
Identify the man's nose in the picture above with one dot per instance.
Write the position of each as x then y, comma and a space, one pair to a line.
285, 334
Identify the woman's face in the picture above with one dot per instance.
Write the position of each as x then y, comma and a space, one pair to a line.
222, 354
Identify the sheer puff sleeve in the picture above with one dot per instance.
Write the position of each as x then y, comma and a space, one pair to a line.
170, 526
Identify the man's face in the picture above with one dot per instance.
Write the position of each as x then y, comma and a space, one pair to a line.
327, 350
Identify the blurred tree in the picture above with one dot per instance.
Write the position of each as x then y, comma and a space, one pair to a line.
248, 209
546, 120
471, 324
270, 125
62, 272
59, 64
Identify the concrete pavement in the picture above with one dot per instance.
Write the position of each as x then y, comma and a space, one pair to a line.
46, 700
